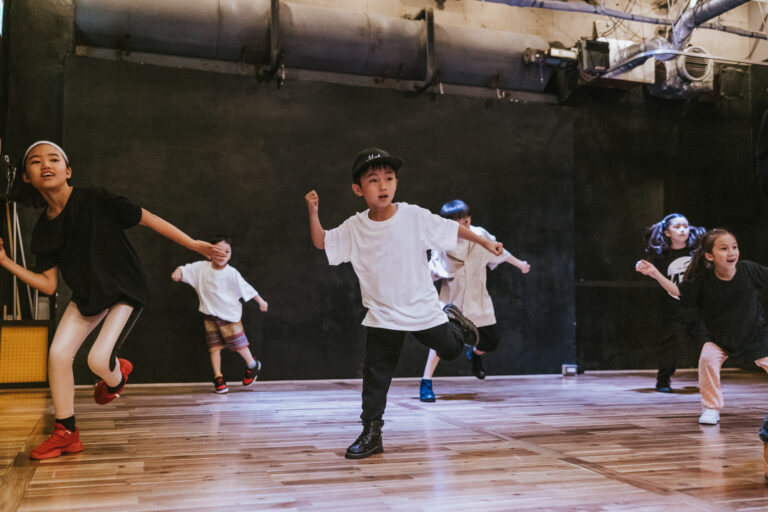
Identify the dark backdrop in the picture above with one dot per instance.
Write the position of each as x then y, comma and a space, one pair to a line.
570, 188
217, 153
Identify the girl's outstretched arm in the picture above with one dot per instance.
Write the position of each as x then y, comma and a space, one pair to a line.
46, 282
647, 268
173, 233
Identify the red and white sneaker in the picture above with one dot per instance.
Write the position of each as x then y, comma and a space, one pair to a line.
102, 395
220, 385
61, 441
251, 374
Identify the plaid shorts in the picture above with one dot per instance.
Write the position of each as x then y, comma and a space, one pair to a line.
220, 333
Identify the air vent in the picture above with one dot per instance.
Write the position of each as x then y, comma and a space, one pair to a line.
696, 65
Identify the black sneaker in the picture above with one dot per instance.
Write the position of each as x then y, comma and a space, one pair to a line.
468, 329
477, 364
219, 385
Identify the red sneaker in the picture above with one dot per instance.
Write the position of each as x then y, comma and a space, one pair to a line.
102, 395
251, 374
219, 385
61, 441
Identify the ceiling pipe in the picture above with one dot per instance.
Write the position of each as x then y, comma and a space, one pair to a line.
314, 38
600, 10
692, 17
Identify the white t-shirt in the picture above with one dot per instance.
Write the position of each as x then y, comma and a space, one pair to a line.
219, 291
463, 270
390, 260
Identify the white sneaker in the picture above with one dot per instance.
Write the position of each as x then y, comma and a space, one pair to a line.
709, 417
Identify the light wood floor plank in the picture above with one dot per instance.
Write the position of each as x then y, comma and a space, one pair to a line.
601, 441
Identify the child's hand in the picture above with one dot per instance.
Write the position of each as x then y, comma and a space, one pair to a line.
3, 256
176, 276
208, 250
644, 267
495, 247
263, 306
525, 267
313, 202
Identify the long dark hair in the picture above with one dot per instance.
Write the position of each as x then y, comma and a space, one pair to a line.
699, 263
657, 243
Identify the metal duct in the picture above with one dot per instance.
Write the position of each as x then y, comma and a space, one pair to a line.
207, 29
692, 17
638, 53
315, 38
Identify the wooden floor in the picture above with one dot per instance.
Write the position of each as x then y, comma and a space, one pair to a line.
599, 441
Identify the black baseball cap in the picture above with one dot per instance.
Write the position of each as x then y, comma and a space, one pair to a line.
372, 156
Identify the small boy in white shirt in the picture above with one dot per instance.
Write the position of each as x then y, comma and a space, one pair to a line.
387, 245
463, 274
220, 288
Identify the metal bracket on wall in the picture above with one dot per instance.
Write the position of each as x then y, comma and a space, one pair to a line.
432, 74
274, 44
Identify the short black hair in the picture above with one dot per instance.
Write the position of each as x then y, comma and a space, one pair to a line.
455, 210
220, 238
359, 174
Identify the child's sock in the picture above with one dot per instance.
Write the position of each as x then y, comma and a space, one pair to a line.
254, 365
69, 423
117, 388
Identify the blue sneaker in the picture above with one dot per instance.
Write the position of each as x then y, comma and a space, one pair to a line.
425, 391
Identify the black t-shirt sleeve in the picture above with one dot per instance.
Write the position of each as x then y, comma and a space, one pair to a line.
46, 246
758, 274
127, 212
689, 292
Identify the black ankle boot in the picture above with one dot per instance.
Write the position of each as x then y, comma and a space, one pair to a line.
368, 443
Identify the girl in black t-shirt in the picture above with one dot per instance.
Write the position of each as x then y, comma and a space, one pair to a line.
726, 292
669, 245
81, 234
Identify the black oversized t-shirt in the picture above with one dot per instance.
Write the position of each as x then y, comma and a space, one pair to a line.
731, 310
87, 242
673, 264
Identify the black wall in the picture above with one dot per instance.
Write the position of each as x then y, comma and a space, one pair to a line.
222, 153
638, 158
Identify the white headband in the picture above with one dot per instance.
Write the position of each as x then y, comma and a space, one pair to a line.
30, 148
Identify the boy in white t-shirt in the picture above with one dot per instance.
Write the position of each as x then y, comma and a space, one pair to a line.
463, 274
220, 288
387, 246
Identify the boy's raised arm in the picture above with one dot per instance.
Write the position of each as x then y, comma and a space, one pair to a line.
493, 247
315, 228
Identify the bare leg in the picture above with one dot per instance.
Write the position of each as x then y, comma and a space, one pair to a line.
429, 368
245, 353
70, 334
216, 362
101, 352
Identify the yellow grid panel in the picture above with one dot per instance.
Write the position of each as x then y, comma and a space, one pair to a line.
23, 354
